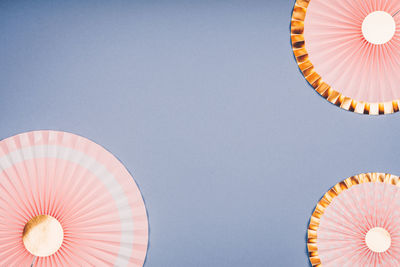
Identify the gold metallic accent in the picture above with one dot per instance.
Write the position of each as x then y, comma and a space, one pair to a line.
326, 200
324, 89
42, 235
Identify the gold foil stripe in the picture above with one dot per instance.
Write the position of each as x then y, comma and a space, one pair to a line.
306, 67
303, 3
327, 199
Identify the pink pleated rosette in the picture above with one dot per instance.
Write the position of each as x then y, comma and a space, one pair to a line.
357, 223
340, 62
81, 185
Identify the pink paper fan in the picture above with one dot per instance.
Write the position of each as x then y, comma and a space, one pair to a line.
50, 179
349, 50
358, 224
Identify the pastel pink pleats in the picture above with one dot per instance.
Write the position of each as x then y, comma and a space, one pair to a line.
348, 218
344, 58
80, 184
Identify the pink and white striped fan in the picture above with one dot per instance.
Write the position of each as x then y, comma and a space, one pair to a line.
66, 201
361, 224
349, 50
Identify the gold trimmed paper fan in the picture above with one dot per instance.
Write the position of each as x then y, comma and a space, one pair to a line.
357, 223
349, 52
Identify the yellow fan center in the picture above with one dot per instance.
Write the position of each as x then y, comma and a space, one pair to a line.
378, 27
378, 239
43, 235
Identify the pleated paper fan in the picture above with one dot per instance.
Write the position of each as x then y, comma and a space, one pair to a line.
66, 201
349, 51
357, 223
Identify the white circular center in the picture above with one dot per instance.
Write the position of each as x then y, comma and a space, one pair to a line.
378, 239
43, 235
378, 27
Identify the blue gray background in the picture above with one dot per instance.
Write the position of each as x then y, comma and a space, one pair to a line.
204, 104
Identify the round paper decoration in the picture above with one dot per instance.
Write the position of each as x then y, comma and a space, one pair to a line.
349, 51
66, 201
357, 223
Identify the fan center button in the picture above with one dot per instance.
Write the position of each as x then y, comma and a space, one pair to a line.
43, 235
378, 27
378, 239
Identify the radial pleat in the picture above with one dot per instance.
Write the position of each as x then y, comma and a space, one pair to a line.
80, 184
332, 33
338, 61
342, 228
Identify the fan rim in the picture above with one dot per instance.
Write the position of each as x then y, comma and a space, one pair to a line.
315, 80
138, 255
326, 200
